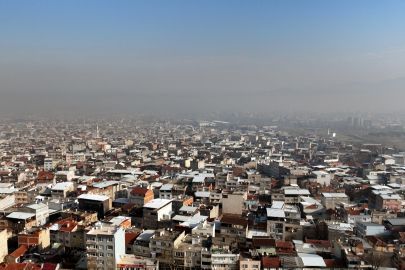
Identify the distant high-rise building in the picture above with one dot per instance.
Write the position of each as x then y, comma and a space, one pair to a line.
350, 121
368, 123
358, 121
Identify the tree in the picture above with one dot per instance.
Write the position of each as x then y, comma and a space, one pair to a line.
375, 259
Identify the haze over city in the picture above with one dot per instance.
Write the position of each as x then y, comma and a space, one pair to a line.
195, 55
199, 135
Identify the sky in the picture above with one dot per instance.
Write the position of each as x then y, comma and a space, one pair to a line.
164, 48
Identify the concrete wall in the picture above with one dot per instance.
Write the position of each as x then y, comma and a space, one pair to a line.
3, 246
233, 204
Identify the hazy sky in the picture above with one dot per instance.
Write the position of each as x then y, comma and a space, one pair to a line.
192, 46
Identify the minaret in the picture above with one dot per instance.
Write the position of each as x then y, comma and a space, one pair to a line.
97, 131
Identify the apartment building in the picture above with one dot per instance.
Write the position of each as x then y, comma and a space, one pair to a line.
391, 202
140, 196
293, 195
40, 210
130, 261
222, 261
234, 226
156, 210
50, 164
97, 203
165, 191
329, 200
276, 223
142, 243
35, 237
105, 245
62, 190
165, 244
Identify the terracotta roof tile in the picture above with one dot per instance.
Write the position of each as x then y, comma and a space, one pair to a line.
19, 251
130, 238
263, 241
271, 262
139, 191
284, 244
234, 220
335, 263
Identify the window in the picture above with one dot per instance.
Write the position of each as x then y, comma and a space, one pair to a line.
129, 249
109, 239
109, 254
109, 247
101, 247
255, 266
74, 236
245, 266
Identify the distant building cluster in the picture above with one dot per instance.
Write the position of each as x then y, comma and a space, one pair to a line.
359, 122
153, 195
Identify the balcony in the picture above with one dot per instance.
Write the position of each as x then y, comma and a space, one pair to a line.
224, 261
92, 258
91, 242
92, 250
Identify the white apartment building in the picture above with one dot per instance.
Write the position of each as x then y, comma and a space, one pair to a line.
105, 244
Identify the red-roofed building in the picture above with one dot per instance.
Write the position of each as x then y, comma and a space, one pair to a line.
320, 245
337, 264
381, 243
20, 266
284, 247
15, 256
129, 242
264, 244
35, 237
271, 263
69, 233
140, 196
50, 266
